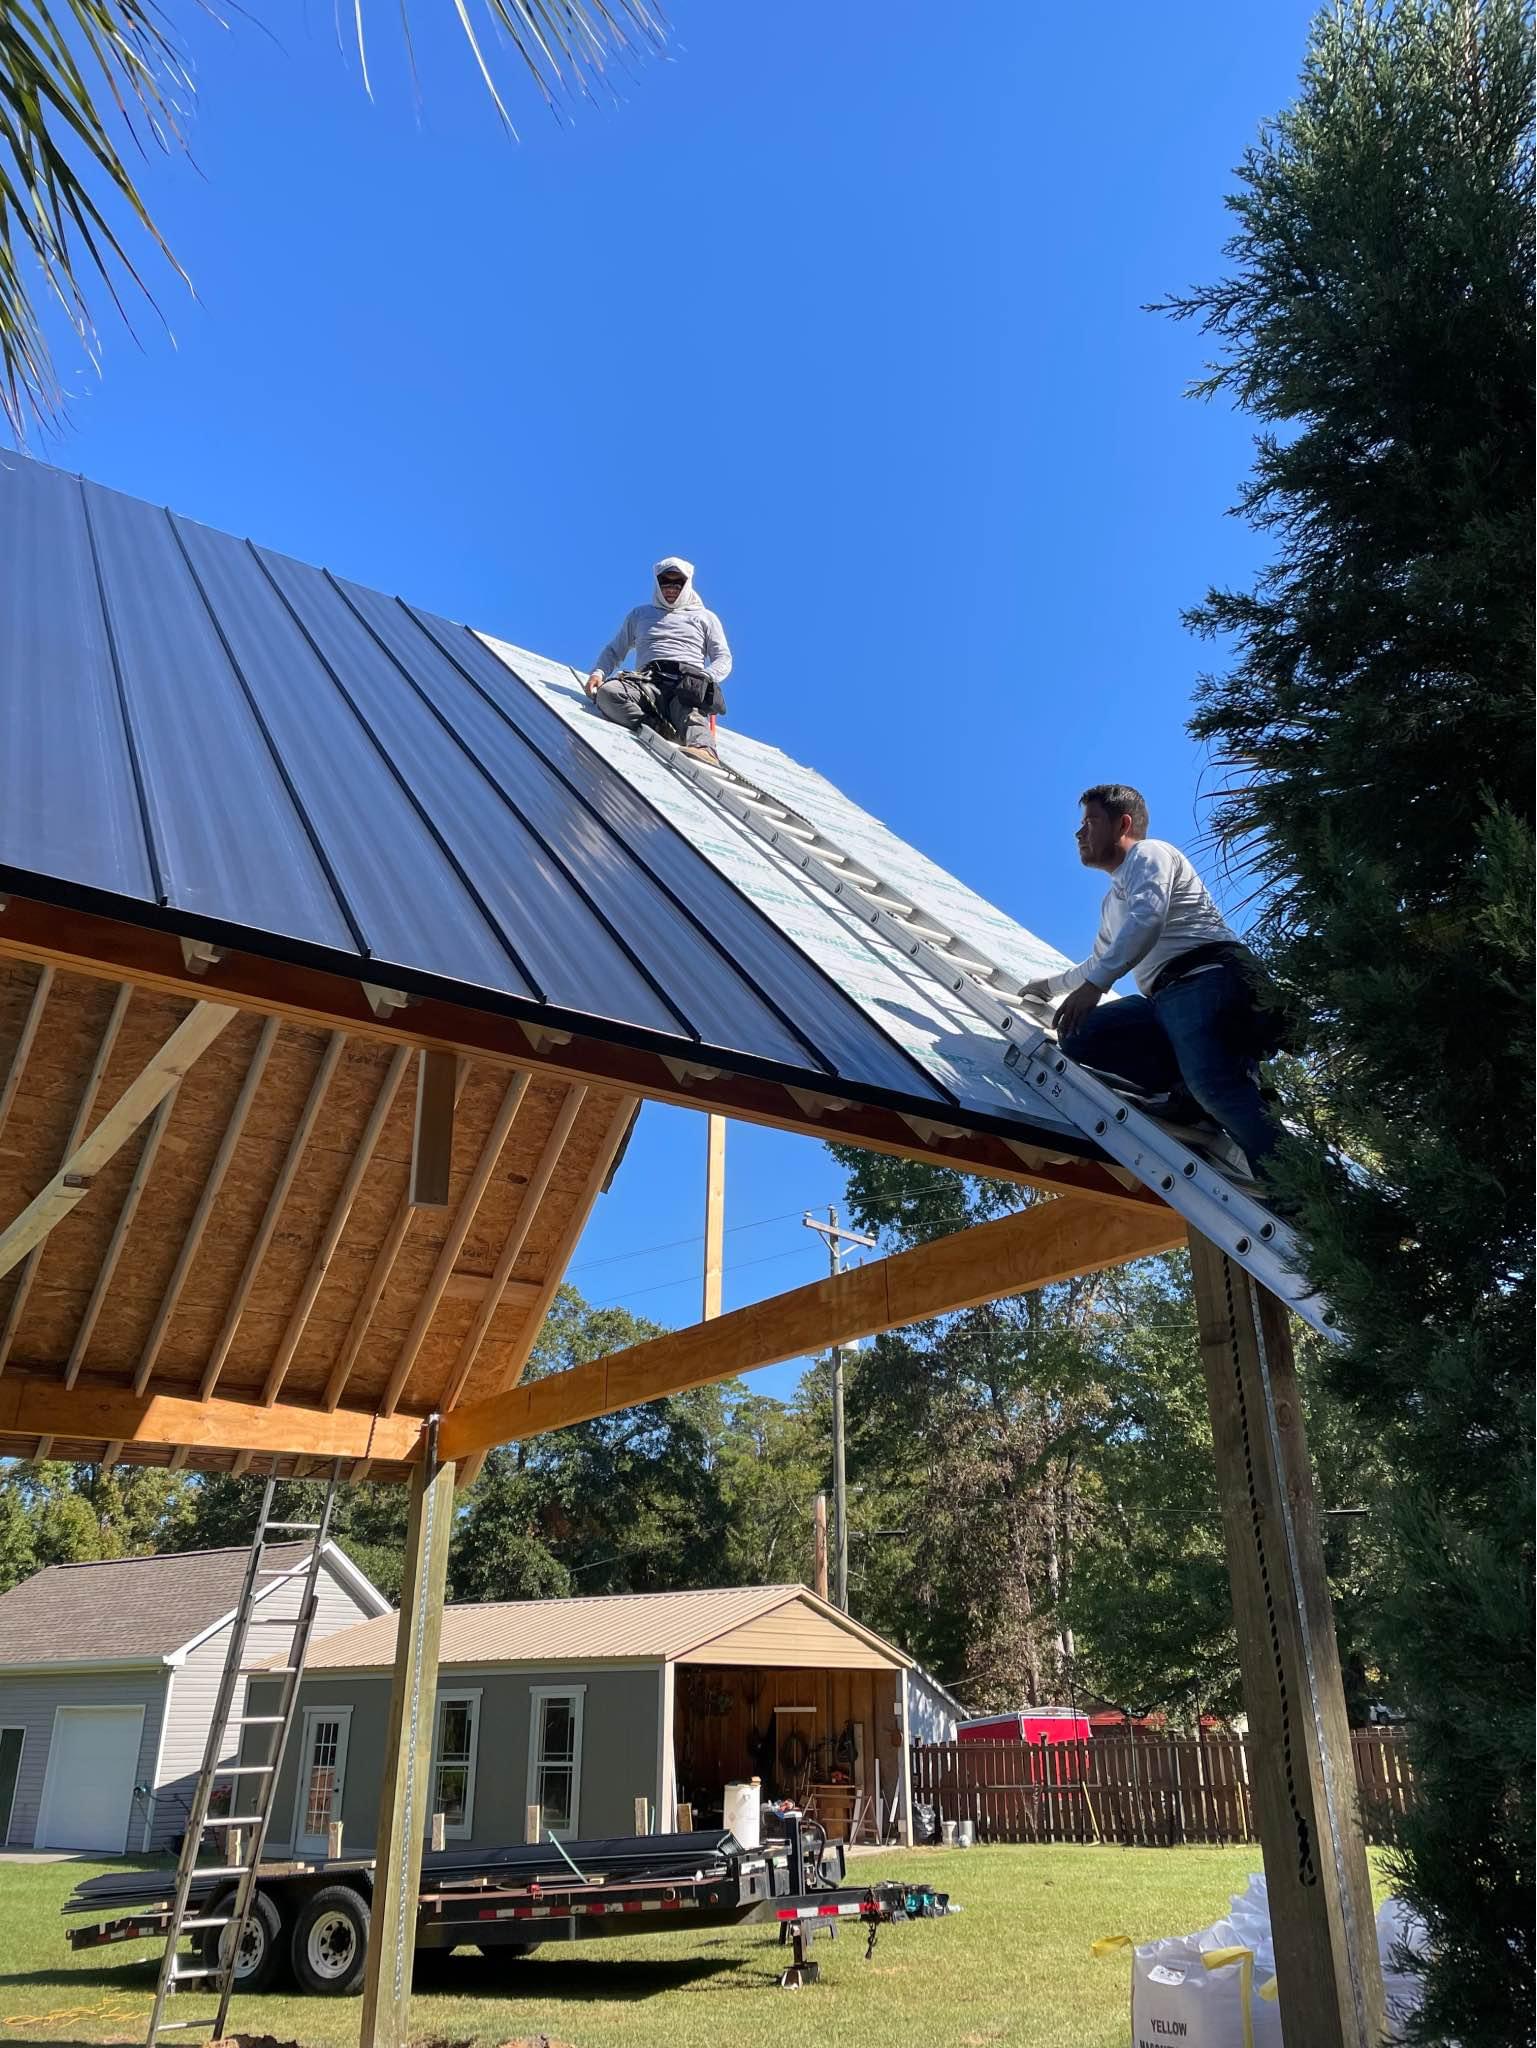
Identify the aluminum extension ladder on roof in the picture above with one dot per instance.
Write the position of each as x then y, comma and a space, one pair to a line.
1188, 1181
212, 1966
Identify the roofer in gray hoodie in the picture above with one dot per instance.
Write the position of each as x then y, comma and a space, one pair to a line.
681, 660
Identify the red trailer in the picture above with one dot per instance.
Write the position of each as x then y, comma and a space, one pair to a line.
1029, 1724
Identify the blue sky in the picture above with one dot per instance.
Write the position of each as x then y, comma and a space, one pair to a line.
844, 304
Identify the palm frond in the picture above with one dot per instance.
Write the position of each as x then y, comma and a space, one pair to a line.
67, 67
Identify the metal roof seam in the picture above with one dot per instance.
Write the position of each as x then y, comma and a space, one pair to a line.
668, 1000
672, 896
327, 867
474, 894
931, 1081
130, 739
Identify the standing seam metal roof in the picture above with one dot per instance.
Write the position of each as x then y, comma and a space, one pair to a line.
203, 736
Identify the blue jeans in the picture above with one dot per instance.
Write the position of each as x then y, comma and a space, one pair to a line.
1199, 1032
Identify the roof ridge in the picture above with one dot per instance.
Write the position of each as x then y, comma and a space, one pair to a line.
76, 1564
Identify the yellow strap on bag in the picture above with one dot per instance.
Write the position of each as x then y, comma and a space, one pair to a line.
1108, 1944
1271, 1992
1218, 1959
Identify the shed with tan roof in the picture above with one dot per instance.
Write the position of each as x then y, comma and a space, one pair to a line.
584, 1706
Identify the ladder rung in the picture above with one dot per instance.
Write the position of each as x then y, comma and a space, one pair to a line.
256, 1720
181, 1976
221, 1869
287, 1571
289, 1525
235, 1820
180, 2026
272, 1621
208, 1920
240, 1770
269, 1670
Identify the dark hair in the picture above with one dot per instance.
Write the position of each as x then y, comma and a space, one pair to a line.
1119, 799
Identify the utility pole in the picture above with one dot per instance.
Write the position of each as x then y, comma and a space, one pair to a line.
837, 1238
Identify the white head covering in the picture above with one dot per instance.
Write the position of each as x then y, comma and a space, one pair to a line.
687, 599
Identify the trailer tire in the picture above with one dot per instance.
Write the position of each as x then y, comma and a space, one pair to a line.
261, 1951
329, 1948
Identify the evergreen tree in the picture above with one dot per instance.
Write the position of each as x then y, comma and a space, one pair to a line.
1376, 724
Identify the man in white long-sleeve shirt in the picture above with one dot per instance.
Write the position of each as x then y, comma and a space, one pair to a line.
1197, 1021
681, 661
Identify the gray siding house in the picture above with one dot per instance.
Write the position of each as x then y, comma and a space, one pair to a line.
107, 1680
582, 1707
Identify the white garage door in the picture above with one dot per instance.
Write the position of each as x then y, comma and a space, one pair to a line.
92, 1764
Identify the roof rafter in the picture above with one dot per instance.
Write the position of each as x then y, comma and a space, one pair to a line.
1050, 1241
84, 1157
24, 1039
362, 1158
261, 1052
453, 1243
336, 1045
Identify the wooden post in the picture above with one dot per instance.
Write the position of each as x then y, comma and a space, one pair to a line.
333, 1842
533, 1824
685, 1817
666, 1758
1328, 1974
408, 1753
714, 1216
642, 1814
819, 1546
907, 1762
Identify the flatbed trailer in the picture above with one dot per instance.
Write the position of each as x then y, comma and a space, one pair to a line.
316, 1914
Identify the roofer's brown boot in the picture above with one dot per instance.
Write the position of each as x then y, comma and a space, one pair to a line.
703, 754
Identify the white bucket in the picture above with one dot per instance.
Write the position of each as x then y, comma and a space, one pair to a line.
966, 1833
743, 1814
947, 1833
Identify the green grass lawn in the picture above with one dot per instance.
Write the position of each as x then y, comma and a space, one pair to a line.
1014, 1968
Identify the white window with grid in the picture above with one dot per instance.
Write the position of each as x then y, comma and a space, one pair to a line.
456, 1739
555, 1756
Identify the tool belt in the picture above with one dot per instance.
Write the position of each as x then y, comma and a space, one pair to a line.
689, 685
1272, 1027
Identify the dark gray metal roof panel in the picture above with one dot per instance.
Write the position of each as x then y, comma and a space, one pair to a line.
68, 801
208, 737
223, 827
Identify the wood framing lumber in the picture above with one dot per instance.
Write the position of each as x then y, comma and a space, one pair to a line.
143, 1167
336, 1045
453, 1243
86, 1156
714, 1215
24, 1038
379, 1278
68, 1179
432, 1136
1302, 1775
362, 1157
517, 1237
33, 1406
261, 1053
1049, 1241
473, 1287
88, 943
615, 1137
405, 1808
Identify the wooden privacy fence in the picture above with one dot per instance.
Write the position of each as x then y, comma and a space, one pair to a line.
1143, 1791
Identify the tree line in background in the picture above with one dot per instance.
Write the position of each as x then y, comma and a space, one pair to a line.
1033, 1511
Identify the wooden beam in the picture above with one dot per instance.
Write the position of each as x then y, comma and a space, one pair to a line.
517, 1237
1047, 1242
24, 1039
404, 1809
714, 1215
191, 1243
89, 944
453, 1243
86, 1157
362, 1158
144, 1166
336, 1045
33, 1406
615, 1137
432, 1136
110, 1455
1302, 1774
22, 1243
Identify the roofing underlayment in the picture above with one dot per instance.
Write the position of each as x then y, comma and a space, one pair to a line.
230, 745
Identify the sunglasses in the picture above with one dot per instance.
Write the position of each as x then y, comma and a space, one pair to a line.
679, 580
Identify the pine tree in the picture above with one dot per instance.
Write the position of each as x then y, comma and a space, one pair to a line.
1375, 724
